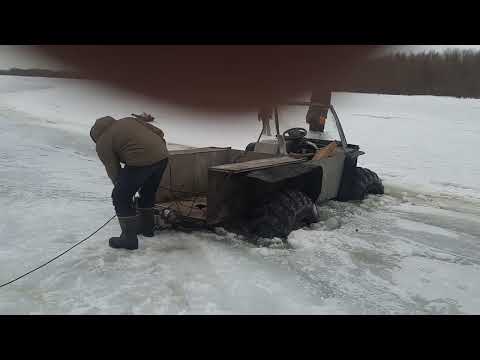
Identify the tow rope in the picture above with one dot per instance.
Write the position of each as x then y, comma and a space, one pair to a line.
56, 257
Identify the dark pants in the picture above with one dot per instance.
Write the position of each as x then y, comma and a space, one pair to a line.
144, 179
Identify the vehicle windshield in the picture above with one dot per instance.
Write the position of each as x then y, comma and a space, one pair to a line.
294, 116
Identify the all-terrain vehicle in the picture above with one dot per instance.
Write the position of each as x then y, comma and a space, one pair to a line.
267, 190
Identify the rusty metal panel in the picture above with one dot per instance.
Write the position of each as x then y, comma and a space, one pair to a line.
187, 172
227, 195
232, 193
216, 209
332, 175
281, 173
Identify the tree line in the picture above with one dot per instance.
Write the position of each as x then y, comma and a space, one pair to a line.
452, 73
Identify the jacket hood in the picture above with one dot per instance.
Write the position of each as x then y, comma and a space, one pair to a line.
100, 126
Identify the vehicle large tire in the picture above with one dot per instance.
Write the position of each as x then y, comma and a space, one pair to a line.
365, 182
282, 213
250, 147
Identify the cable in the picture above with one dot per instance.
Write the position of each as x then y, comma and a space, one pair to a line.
196, 195
56, 257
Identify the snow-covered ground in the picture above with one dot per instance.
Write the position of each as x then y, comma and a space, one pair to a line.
415, 250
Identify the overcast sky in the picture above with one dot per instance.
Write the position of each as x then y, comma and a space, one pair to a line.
24, 56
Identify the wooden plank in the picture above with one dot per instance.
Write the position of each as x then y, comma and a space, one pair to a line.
255, 164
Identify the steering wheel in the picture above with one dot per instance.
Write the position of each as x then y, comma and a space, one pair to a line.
295, 134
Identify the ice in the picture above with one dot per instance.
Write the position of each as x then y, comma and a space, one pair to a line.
415, 250
429, 140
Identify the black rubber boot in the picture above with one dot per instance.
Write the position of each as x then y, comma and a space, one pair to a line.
128, 239
146, 218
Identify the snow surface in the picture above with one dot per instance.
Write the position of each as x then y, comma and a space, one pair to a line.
415, 250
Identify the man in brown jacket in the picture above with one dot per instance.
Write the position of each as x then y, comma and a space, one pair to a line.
316, 115
142, 148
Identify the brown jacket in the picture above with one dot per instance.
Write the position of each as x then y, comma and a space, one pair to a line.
129, 141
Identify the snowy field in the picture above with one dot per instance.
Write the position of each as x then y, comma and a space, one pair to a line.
415, 250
